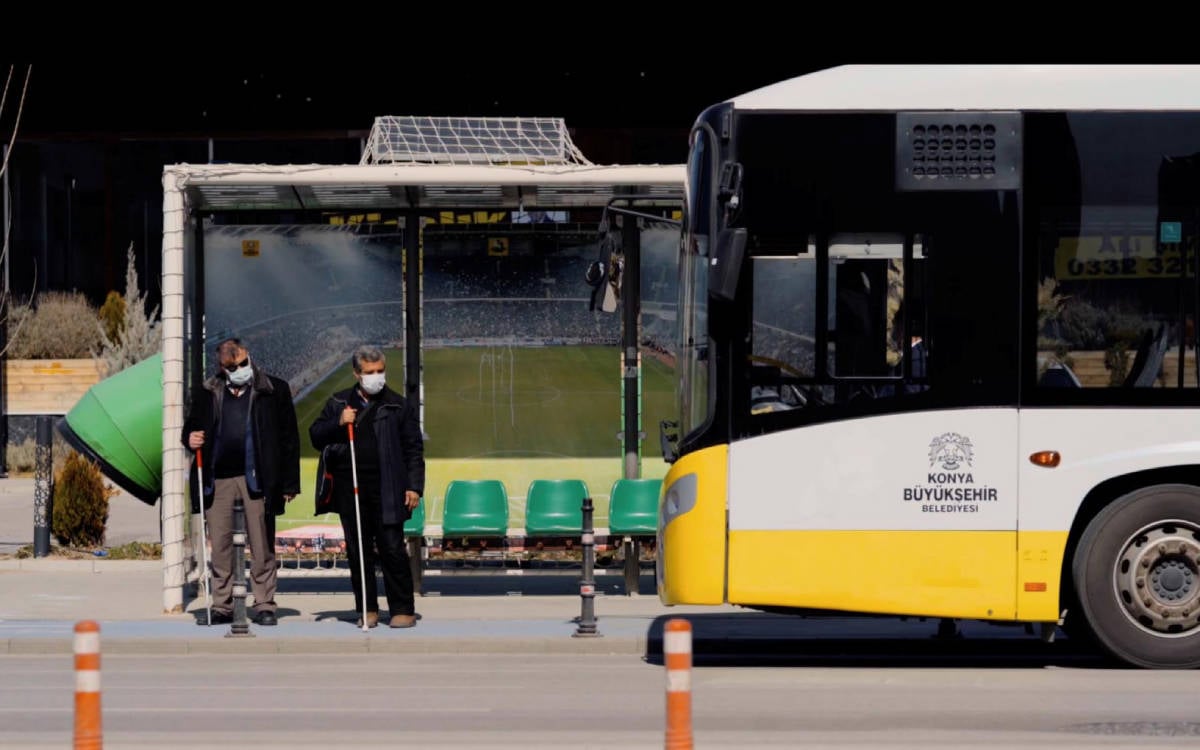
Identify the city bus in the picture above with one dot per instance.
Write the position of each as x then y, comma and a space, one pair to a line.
936, 352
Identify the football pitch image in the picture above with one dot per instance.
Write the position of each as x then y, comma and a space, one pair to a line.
511, 413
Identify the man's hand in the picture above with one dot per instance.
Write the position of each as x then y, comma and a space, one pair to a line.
287, 498
347, 416
411, 499
196, 440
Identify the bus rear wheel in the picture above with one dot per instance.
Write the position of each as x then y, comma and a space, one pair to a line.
1137, 575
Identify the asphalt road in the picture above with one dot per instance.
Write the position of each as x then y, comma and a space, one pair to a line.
594, 701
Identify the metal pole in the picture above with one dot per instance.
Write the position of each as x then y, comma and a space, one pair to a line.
631, 308
196, 358
587, 584
240, 628
412, 312
4, 308
43, 499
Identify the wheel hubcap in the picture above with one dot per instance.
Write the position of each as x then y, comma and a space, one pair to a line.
1157, 578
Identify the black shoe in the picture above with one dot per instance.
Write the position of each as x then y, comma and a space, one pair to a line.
220, 618
265, 618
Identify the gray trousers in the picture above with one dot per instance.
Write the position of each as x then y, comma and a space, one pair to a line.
220, 526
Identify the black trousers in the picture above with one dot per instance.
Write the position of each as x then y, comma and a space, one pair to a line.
392, 557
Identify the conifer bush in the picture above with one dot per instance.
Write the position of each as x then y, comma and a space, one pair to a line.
80, 503
138, 336
112, 316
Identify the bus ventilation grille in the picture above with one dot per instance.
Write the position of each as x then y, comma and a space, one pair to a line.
958, 151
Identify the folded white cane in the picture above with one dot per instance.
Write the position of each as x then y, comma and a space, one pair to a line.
362, 567
204, 538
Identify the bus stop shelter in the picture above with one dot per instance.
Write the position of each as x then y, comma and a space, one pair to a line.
411, 167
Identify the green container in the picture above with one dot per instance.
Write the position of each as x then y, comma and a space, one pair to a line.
118, 424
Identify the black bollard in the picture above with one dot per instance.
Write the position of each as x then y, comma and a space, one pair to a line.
240, 628
43, 490
587, 584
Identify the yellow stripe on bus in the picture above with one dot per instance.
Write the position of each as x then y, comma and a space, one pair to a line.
967, 574
1039, 560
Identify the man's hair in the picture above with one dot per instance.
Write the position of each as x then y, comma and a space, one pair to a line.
366, 353
229, 347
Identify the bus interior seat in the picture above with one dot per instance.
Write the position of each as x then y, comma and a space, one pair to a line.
1149, 358
1059, 376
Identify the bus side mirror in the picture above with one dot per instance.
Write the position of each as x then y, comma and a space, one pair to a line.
725, 265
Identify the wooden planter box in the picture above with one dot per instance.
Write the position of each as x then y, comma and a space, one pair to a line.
48, 386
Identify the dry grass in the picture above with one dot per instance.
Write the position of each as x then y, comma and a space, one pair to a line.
63, 325
131, 551
22, 457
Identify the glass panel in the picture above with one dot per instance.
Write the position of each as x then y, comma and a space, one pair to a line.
867, 297
302, 298
693, 291
1109, 314
659, 324
693, 338
783, 342
1116, 202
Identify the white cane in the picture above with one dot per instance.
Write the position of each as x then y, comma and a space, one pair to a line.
204, 538
362, 566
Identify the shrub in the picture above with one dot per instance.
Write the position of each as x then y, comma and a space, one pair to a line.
112, 316
22, 457
139, 336
1082, 325
80, 503
62, 325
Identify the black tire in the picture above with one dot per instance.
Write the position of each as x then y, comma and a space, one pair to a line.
1155, 530
1075, 625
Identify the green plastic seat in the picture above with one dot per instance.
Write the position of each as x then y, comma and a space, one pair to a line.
415, 525
633, 507
475, 507
554, 507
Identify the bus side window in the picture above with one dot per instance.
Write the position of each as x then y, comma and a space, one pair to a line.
916, 349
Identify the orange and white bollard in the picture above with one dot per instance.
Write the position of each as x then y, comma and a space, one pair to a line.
677, 654
87, 686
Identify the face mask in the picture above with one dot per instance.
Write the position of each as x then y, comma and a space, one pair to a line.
241, 375
373, 382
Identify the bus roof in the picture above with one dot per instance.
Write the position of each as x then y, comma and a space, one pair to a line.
983, 87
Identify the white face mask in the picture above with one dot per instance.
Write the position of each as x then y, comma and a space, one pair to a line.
373, 382
242, 375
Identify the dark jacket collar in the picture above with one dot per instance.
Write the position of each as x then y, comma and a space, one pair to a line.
386, 396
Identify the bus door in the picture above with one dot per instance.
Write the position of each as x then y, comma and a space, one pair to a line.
869, 481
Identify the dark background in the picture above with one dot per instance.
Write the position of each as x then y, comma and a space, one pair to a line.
85, 171
202, 99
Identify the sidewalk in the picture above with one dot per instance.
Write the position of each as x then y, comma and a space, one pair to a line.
42, 599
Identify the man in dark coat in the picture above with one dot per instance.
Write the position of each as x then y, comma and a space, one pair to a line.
245, 422
390, 459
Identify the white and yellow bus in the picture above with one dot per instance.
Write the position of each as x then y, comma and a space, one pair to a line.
937, 351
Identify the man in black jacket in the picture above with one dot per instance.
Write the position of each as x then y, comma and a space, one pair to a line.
245, 422
390, 458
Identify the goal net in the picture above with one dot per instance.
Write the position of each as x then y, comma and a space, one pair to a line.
471, 140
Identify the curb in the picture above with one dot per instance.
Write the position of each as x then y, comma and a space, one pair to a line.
619, 645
